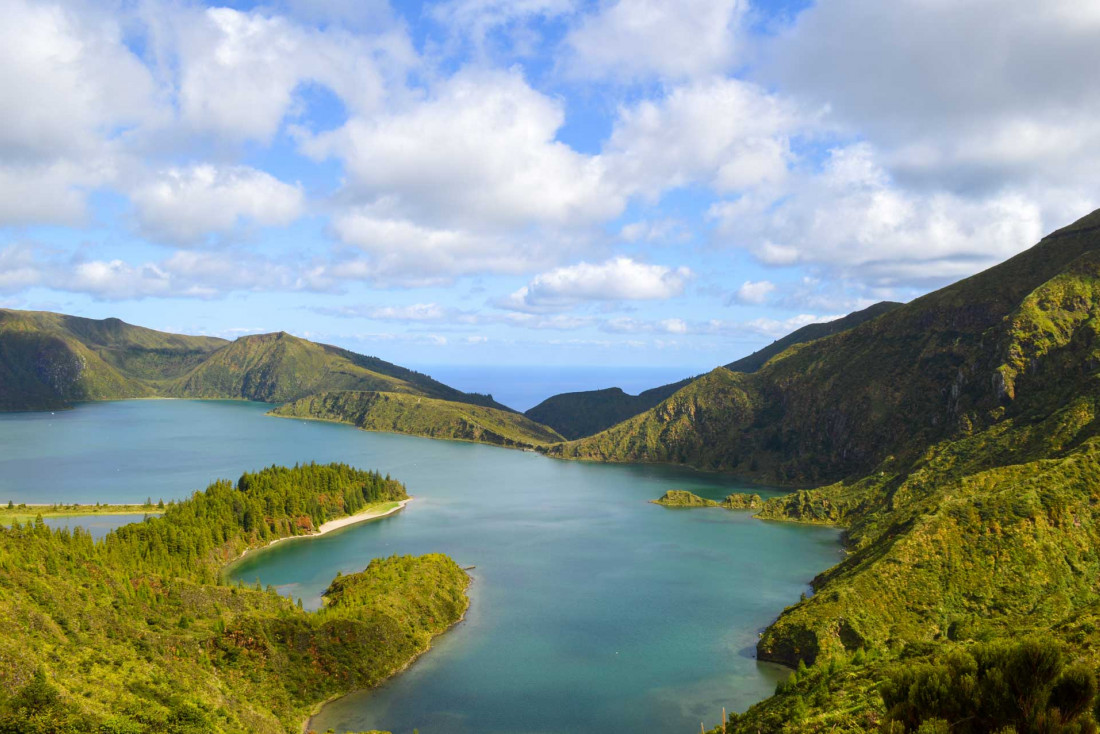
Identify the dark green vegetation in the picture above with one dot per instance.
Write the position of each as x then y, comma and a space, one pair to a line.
50, 360
683, 498
136, 633
809, 333
957, 438
421, 416
579, 414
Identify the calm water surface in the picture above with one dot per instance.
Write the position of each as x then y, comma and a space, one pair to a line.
592, 610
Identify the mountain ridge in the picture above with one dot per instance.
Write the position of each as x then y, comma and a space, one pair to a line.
580, 414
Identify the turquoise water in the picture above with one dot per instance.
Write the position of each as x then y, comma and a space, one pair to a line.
592, 610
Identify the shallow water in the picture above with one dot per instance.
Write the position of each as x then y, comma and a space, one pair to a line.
592, 610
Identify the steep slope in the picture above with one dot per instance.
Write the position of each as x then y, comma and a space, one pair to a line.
50, 360
944, 365
964, 430
139, 633
579, 414
422, 416
809, 333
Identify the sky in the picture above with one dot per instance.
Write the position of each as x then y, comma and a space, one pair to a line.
532, 182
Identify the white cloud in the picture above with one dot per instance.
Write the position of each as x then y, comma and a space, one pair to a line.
727, 133
656, 230
766, 327
239, 71
69, 87
67, 80
755, 292
948, 111
414, 312
851, 219
469, 179
628, 40
476, 19
626, 325
401, 251
186, 274
478, 152
618, 279
185, 205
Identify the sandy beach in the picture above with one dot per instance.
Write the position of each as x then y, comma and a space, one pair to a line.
370, 513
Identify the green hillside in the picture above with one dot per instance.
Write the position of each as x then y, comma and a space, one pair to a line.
941, 366
809, 333
399, 413
579, 414
958, 441
137, 633
50, 361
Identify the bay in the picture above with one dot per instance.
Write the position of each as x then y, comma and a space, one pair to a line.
592, 609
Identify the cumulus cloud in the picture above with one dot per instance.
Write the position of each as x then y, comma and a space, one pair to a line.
949, 112
239, 71
479, 151
755, 292
68, 79
68, 85
398, 250
727, 133
852, 219
618, 279
629, 40
185, 205
761, 327
185, 274
476, 19
468, 179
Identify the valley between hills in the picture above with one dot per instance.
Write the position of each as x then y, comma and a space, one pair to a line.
955, 438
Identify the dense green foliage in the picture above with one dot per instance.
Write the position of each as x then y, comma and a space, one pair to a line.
809, 333
978, 519
1026, 687
374, 411
927, 371
735, 501
51, 360
683, 498
136, 633
579, 414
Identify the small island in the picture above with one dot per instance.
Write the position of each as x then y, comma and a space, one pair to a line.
735, 501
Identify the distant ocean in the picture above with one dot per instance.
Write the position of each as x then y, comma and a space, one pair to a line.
524, 387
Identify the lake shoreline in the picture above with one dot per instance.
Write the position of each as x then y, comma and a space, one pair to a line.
316, 710
325, 528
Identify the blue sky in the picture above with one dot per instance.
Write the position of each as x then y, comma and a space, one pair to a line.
533, 182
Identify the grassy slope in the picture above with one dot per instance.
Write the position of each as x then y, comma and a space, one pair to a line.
579, 414
982, 520
924, 372
50, 361
809, 333
133, 639
398, 413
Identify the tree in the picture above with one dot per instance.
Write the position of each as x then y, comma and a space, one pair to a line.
1020, 686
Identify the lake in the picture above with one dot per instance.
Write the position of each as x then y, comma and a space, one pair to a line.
592, 609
